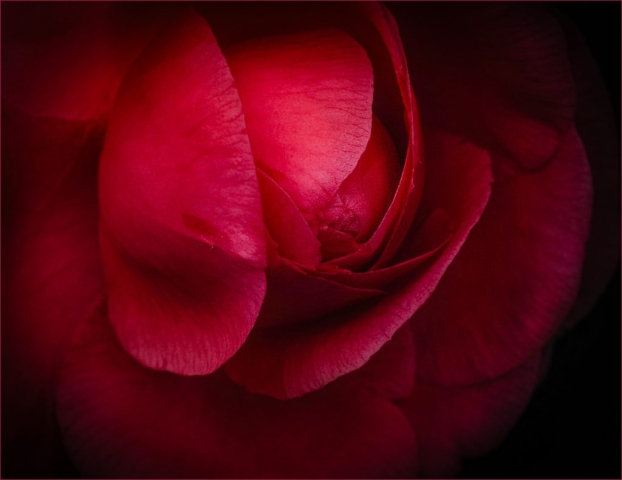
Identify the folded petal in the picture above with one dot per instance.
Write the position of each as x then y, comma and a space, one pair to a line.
123, 420
307, 101
290, 361
516, 277
182, 238
467, 421
287, 227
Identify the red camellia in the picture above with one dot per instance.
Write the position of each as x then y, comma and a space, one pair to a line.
282, 240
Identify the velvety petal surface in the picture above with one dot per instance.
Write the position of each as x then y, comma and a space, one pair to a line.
457, 422
516, 276
288, 362
123, 420
183, 237
307, 101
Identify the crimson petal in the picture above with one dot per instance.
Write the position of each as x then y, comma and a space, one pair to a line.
182, 233
307, 102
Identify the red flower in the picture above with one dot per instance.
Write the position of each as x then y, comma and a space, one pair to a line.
239, 242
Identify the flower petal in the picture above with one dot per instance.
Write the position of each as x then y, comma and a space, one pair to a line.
601, 138
515, 92
123, 420
516, 276
182, 238
295, 296
307, 102
468, 421
286, 225
290, 361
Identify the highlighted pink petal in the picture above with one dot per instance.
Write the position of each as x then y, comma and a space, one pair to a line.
307, 102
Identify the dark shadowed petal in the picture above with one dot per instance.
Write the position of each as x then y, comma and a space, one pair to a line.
123, 420
497, 72
183, 238
601, 138
295, 296
291, 361
51, 271
457, 422
68, 61
516, 276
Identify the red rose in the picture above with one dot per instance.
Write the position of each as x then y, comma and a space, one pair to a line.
239, 242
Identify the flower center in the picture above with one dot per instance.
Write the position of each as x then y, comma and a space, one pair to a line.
351, 217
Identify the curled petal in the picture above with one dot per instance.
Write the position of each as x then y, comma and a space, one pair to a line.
290, 361
307, 103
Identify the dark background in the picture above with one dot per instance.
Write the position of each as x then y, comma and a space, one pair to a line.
572, 427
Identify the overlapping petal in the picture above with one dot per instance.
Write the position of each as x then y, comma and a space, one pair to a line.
307, 103
289, 362
54, 105
515, 278
182, 233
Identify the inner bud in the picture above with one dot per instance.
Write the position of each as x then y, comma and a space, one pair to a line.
357, 208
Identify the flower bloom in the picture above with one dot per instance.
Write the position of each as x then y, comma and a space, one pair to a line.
285, 241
